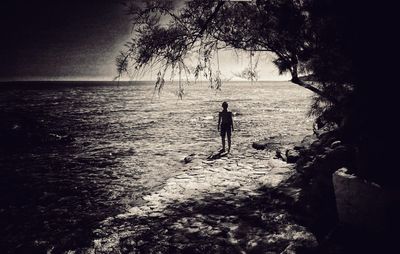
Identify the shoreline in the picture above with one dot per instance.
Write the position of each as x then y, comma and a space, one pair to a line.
107, 150
246, 176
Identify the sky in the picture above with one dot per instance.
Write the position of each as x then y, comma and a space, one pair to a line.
79, 40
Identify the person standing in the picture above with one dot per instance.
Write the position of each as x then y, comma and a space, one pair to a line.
225, 125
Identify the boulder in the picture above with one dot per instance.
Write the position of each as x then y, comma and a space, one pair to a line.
315, 145
292, 155
306, 168
335, 144
360, 203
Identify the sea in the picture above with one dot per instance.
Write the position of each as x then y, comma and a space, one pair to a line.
72, 154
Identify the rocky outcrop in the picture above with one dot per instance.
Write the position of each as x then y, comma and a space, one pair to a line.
317, 157
328, 127
292, 155
306, 142
363, 204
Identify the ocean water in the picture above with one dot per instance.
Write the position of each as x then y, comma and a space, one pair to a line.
75, 153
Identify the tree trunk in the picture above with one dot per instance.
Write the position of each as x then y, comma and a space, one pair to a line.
298, 81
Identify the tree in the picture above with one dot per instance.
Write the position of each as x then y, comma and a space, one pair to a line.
316, 41
165, 33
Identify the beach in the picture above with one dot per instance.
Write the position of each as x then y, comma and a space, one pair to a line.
104, 170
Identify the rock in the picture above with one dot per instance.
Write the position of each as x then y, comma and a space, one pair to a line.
325, 129
264, 144
336, 144
292, 155
360, 203
189, 158
315, 145
339, 157
290, 249
280, 155
307, 246
292, 193
260, 145
306, 142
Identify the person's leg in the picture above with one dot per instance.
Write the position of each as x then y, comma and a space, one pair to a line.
223, 133
229, 141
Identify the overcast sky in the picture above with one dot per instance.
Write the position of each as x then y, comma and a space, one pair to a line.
77, 40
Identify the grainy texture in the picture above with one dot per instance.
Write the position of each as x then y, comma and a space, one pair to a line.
74, 155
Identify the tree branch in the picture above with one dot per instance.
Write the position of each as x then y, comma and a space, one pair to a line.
298, 81
204, 27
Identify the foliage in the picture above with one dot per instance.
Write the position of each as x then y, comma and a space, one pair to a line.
306, 37
166, 34
313, 40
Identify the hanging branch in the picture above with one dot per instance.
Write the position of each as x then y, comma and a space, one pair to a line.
250, 26
251, 66
218, 80
180, 88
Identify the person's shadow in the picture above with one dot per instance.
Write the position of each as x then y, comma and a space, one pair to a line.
217, 155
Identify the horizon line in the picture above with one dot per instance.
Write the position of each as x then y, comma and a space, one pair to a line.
107, 80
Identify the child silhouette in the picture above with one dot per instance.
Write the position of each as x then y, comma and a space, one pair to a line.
225, 125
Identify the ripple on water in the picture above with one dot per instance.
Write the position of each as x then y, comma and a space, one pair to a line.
126, 144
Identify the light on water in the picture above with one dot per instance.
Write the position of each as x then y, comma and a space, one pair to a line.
94, 152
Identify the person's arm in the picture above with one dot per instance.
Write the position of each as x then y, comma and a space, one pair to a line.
219, 120
231, 120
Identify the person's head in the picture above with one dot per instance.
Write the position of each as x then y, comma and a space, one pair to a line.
225, 105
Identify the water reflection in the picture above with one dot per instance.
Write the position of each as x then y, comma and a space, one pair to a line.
73, 155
